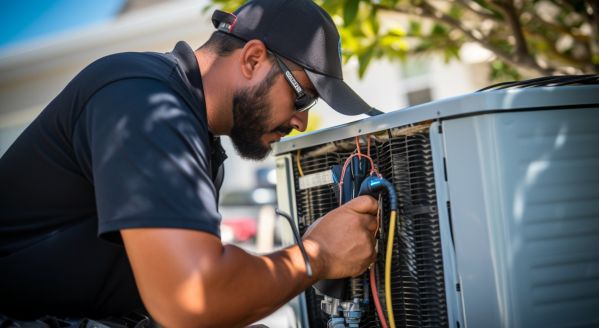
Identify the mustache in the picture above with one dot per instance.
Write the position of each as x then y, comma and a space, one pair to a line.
283, 129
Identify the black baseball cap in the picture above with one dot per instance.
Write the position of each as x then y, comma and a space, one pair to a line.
304, 33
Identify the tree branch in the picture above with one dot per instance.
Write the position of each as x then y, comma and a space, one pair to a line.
429, 11
509, 10
406, 10
567, 3
557, 27
477, 36
551, 34
468, 6
555, 54
594, 20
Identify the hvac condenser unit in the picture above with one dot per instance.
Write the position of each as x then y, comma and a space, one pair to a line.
498, 196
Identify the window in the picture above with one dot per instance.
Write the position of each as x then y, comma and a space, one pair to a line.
419, 96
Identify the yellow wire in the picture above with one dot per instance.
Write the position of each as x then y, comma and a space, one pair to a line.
299, 165
388, 269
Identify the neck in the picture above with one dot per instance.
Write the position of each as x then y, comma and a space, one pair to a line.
218, 91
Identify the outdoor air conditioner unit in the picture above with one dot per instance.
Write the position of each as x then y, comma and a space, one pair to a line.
499, 207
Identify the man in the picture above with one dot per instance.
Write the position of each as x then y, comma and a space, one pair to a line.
126, 155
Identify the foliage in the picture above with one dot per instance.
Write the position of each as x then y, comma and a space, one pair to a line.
529, 37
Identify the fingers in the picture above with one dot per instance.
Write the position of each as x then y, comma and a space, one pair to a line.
369, 259
372, 223
364, 204
347, 237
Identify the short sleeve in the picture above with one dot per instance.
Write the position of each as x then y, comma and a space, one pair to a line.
147, 155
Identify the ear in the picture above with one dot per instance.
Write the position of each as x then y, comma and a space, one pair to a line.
254, 59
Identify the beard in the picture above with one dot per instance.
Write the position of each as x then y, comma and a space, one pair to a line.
251, 114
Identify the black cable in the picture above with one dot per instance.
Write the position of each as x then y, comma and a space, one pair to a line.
556, 80
298, 240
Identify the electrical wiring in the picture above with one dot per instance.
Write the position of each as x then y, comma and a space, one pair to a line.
388, 255
377, 302
347, 161
298, 240
370, 186
358, 153
381, 182
299, 164
373, 288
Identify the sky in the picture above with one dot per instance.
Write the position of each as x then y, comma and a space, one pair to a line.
31, 19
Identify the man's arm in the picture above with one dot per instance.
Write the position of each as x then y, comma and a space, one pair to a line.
188, 278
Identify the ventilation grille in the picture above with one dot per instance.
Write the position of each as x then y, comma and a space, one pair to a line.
403, 156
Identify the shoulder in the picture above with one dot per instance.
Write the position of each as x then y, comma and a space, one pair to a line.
129, 65
140, 96
145, 106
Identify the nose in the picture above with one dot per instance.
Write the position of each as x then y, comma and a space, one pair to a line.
299, 121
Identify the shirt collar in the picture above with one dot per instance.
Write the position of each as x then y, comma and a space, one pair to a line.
189, 65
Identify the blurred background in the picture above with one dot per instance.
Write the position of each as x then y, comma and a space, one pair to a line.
397, 54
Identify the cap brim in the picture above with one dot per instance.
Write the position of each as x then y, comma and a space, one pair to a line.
338, 95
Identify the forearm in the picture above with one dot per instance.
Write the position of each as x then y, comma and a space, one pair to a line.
187, 278
249, 287
215, 285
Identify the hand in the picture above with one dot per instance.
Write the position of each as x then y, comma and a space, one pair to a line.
341, 243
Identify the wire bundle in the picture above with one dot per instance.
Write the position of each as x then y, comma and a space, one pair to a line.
374, 173
376, 184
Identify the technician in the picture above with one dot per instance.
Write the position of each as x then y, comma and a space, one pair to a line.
109, 198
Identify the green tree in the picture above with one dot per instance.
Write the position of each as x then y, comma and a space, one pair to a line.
526, 37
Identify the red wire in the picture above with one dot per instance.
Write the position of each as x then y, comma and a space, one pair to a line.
347, 161
373, 170
375, 293
358, 147
375, 296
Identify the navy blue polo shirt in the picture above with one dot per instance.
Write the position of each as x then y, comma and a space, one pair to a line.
125, 145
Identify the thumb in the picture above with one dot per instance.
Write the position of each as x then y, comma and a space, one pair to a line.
364, 204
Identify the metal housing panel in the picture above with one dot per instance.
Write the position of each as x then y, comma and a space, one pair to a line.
286, 203
453, 294
524, 190
285, 186
523, 186
471, 104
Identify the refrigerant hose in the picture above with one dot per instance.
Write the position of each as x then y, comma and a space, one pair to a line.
373, 185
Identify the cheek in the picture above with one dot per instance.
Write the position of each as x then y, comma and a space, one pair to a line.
281, 97
278, 108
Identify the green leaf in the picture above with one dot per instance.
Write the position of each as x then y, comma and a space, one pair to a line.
367, 29
438, 30
390, 3
455, 12
500, 71
350, 11
373, 18
364, 60
415, 28
331, 6
450, 53
396, 31
395, 43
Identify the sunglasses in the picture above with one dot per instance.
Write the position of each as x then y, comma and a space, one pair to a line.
303, 101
